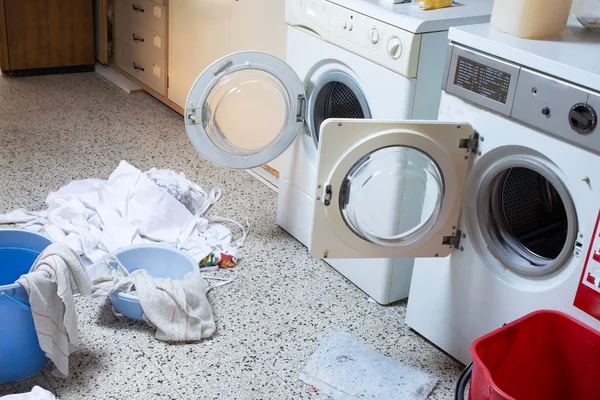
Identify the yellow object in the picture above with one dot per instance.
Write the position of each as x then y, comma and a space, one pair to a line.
530, 18
433, 4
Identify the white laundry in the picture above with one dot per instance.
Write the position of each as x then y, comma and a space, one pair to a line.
55, 276
178, 309
188, 193
37, 393
95, 217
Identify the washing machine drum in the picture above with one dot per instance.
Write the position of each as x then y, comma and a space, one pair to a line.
336, 95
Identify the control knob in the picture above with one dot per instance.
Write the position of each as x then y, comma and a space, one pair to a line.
374, 36
582, 118
394, 48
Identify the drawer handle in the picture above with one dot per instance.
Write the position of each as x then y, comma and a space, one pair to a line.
135, 66
137, 38
137, 8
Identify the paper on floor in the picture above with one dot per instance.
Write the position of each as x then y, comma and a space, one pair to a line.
95, 217
343, 368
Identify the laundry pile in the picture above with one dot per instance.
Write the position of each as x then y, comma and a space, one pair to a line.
96, 217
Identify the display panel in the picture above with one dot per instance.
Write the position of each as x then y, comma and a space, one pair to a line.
481, 79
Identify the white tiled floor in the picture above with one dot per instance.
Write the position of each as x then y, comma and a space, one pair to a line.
54, 129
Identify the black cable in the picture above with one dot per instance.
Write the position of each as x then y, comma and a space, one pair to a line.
462, 382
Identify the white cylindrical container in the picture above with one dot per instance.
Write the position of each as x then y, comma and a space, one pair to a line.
530, 18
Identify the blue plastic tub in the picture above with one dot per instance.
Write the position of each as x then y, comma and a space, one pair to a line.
160, 261
20, 353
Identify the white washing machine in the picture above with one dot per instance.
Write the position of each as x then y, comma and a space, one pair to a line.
358, 60
528, 236
371, 61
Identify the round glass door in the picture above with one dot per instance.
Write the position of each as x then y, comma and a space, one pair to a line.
245, 110
392, 196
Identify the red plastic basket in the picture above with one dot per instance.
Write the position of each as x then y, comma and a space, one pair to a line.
546, 355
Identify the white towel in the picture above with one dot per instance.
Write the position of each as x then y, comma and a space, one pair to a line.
178, 309
37, 393
54, 277
96, 217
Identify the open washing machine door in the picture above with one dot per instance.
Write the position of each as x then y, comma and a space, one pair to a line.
245, 109
389, 189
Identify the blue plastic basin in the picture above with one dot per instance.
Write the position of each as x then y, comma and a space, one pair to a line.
20, 353
160, 261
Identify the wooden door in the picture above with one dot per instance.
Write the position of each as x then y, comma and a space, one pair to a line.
49, 33
101, 30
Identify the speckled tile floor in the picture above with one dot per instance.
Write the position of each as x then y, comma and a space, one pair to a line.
54, 129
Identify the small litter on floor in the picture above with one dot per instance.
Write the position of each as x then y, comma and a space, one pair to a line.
343, 368
96, 217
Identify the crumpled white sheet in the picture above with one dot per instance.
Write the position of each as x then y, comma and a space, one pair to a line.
37, 393
95, 217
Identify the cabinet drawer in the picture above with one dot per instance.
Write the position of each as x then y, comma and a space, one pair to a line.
151, 75
143, 12
142, 40
141, 67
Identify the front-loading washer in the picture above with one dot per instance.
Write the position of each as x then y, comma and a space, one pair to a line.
528, 236
353, 70
340, 63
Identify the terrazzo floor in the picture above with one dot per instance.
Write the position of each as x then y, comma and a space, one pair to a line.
54, 129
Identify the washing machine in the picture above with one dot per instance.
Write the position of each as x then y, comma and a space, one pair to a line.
528, 236
374, 61
350, 59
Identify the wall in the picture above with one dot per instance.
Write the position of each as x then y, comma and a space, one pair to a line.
201, 31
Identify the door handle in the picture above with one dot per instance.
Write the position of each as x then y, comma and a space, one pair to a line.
137, 8
138, 38
135, 66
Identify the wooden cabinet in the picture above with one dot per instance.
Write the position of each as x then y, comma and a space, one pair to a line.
45, 34
140, 43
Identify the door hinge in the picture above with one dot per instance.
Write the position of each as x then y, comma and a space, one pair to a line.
167, 82
453, 241
472, 143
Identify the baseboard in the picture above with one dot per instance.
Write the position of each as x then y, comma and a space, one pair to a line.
266, 177
118, 79
48, 71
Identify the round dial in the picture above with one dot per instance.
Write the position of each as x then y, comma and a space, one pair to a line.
582, 118
394, 47
374, 36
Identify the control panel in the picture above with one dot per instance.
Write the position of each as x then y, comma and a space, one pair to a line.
314, 15
384, 44
542, 101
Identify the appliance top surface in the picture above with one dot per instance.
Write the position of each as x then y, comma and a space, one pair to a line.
573, 56
410, 18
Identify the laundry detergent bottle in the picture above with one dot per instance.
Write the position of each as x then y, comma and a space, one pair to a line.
530, 18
